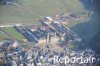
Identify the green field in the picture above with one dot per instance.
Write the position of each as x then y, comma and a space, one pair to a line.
28, 11
13, 33
3, 37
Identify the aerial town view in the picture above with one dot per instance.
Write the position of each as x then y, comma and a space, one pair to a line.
49, 33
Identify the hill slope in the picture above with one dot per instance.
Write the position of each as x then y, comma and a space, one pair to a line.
28, 11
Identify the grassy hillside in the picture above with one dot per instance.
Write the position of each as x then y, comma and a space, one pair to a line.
87, 30
28, 11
